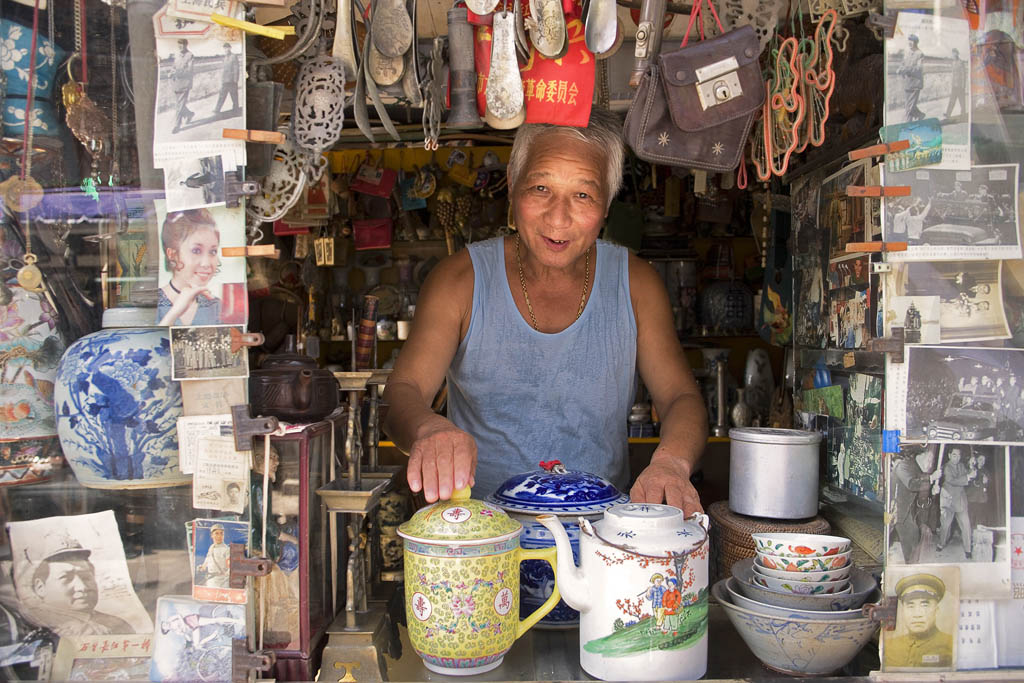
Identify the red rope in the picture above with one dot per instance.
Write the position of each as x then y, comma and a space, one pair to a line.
697, 11
31, 89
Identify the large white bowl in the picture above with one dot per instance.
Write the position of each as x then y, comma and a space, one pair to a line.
797, 646
766, 609
862, 583
800, 545
802, 587
804, 564
812, 577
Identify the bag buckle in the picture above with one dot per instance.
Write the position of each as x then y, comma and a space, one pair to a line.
718, 83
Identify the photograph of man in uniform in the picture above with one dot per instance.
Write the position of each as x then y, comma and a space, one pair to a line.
922, 644
229, 72
182, 79
64, 583
958, 84
956, 476
911, 485
912, 71
217, 564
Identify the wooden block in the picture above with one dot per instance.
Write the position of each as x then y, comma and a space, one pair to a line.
878, 191
875, 247
265, 250
268, 136
248, 27
879, 150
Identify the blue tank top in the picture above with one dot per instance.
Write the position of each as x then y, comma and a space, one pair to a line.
527, 396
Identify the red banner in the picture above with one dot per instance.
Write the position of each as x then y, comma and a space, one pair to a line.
558, 91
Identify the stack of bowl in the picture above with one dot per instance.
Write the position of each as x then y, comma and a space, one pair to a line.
798, 603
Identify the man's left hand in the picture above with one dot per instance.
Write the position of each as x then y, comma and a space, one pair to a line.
667, 479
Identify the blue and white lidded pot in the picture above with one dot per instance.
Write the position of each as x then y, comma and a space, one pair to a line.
567, 494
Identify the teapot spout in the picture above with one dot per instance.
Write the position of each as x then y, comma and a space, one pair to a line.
570, 579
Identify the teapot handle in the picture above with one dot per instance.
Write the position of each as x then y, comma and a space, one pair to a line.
549, 555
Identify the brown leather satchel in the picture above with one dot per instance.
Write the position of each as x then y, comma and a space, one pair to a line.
695, 106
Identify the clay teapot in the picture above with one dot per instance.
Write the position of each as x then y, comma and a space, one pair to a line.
291, 387
641, 589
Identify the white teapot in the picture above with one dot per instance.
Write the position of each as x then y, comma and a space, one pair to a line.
641, 589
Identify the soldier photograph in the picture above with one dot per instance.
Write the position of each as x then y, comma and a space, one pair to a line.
927, 612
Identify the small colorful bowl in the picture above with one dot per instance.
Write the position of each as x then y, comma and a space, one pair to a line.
800, 545
812, 577
804, 564
802, 587
769, 610
862, 586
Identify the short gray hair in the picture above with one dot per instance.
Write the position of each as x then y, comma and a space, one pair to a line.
603, 132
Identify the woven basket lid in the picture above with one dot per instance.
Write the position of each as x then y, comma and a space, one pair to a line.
736, 529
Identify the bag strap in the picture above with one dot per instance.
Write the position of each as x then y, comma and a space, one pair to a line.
697, 11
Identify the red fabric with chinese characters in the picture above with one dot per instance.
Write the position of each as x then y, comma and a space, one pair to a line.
558, 91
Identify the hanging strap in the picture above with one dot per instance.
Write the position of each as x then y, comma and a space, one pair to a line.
696, 12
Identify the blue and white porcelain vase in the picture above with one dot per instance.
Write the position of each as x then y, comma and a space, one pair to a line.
15, 56
117, 409
567, 494
30, 348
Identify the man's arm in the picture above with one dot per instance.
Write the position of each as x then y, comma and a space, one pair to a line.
668, 378
442, 458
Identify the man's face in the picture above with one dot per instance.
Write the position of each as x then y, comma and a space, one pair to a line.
217, 535
70, 585
920, 614
954, 455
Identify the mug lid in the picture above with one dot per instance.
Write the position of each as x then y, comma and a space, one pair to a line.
461, 519
554, 490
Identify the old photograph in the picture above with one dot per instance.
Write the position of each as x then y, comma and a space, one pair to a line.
969, 296
205, 353
927, 615
194, 183
967, 394
71, 576
198, 285
200, 88
949, 504
917, 316
954, 215
842, 217
212, 539
849, 317
810, 258
928, 75
192, 640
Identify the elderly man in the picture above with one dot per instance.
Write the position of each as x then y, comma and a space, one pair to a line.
912, 71
923, 645
64, 583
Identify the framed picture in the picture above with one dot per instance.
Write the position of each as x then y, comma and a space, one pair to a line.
927, 615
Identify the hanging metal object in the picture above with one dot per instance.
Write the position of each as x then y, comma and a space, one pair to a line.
393, 32
319, 110
504, 93
463, 113
547, 28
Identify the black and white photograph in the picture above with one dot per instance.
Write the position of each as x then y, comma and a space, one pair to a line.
928, 75
965, 394
200, 89
194, 183
954, 215
949, 504
969, 295
927, 615
917, 316
71, 576
205, 353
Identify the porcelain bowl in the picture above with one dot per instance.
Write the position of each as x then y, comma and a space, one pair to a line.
800, 545
767, 609
802, 587
862, 586
812, 577
797, 646
804, 564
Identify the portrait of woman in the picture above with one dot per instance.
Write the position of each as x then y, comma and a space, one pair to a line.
198, 285
191, 251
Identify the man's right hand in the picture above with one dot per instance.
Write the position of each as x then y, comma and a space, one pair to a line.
442, 459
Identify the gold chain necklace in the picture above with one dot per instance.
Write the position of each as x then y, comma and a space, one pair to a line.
526, 295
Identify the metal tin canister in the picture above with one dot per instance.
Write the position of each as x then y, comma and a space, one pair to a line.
773, 473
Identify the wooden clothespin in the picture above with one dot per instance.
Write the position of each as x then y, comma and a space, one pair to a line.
264, 250
240, 339
875, 247
878, 191
879, 150
271, 137
249, 27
